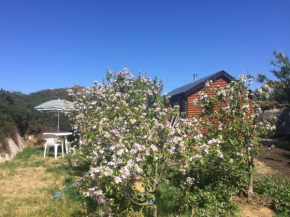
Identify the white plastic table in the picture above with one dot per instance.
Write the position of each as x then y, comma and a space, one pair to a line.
63, 136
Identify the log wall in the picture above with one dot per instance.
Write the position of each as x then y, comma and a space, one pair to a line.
191, 109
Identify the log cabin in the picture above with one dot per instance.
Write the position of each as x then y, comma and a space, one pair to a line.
183, 96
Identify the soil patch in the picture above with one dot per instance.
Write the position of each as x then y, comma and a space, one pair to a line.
278, 159
253, 209
263, 169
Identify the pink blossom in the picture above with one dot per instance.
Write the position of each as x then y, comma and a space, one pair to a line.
117, 180
132, 121
153, 147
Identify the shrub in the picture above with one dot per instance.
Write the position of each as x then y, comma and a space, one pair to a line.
276, 192
143, 156
230, 121
131, 141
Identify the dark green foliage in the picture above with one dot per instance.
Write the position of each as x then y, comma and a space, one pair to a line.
46, 95
276, 192
17, 113
281, 62
13, 109
212, 194
46, 122
212, 201
168, 200
281, 88
261, 78
215, 187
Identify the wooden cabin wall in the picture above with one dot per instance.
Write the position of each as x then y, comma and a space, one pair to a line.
191, 109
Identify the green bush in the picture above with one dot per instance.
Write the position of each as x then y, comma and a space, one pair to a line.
213, 201
168, 200
276, 192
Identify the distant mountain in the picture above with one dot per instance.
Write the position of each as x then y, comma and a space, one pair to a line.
42, 96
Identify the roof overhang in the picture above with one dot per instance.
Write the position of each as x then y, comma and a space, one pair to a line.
202, 83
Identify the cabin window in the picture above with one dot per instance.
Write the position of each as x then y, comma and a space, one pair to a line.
174, 103
185, 108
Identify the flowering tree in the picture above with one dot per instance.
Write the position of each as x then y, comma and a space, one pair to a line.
130, 141
231, 126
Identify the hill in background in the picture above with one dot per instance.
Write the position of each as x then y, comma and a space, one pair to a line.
17, 113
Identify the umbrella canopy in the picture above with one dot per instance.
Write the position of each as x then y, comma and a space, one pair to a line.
54, 106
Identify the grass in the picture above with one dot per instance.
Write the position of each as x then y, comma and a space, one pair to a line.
29, 182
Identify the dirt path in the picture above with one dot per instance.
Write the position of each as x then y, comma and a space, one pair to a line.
253, 210
278, 159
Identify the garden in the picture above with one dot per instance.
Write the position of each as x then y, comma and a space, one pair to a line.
144, 160
139, 157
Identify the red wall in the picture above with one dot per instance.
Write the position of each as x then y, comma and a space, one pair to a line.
192, 110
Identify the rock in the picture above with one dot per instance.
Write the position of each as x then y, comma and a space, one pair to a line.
283, 120
13, 148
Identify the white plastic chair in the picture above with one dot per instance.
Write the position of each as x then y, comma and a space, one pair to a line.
51, 141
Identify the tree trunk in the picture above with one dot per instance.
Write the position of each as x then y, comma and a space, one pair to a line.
156, 180
155, 211
251, 179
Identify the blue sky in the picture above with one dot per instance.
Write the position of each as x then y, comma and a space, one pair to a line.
49, 44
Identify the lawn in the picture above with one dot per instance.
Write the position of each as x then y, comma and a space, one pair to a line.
29, 182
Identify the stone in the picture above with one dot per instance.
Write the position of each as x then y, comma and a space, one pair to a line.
283, 120
13, 148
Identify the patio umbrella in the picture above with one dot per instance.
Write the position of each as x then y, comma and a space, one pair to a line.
54, 106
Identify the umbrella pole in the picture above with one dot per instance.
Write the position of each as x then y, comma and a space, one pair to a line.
58, 121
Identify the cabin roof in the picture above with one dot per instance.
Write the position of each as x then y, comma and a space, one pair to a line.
191, 87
